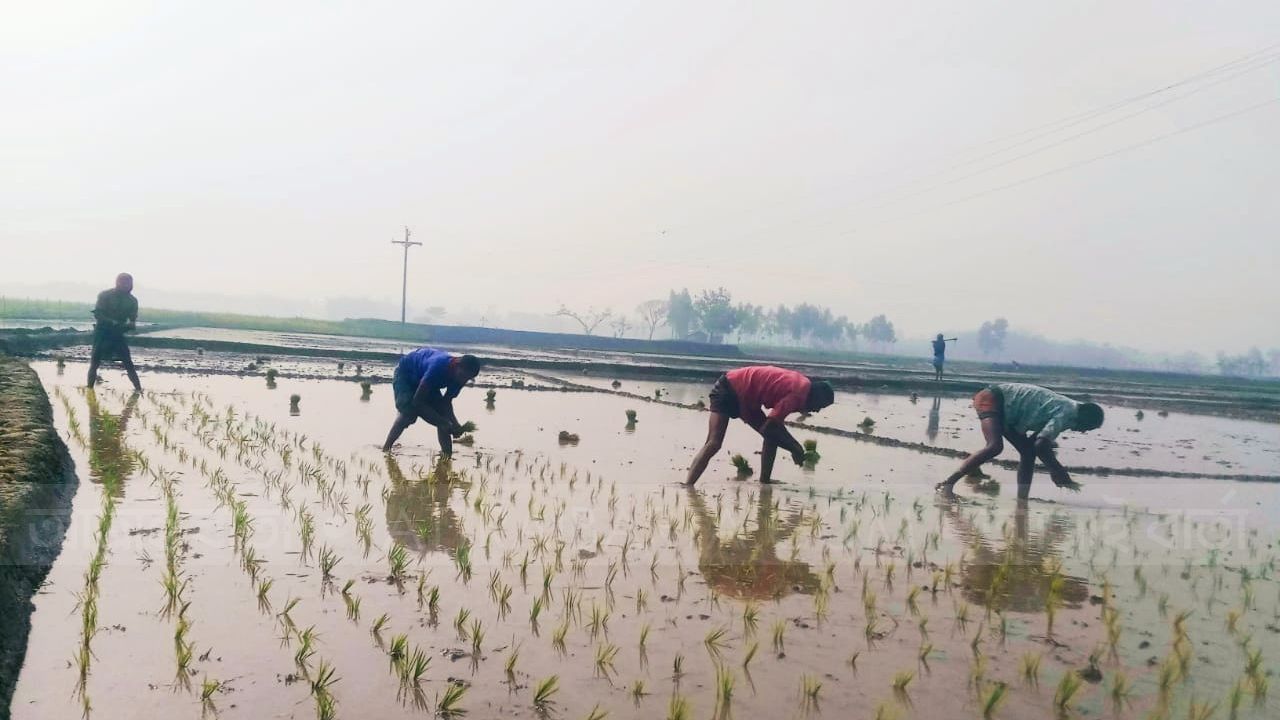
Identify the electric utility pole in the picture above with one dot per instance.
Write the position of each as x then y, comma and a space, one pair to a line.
404, 285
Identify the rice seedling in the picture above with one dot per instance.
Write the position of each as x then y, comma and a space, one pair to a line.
631, 417
810, 687
513, 657
1200, 710
208, 688
544, 691
677, 708
353, 606
715, 641
1064, 696
379, 624
328, 561
1031, 668
605, 655
414, 667
811, 456
900, 682
992, 698
306, 643
644, 637
740, 463
638, 691
534, 612
750, 654
677, 667
1121, 689
294, 399
323, 678
926, 649
398, 562
1235, 698
477, 637
398, 651
779, 636
558, 636
912, 600
597, 714
725, 681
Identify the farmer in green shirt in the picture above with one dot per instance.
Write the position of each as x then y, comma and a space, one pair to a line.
1030, 418
116, 313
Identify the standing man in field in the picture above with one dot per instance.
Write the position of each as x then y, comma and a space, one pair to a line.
1030, 418
116, 313
425, 383
940, 354
743, 393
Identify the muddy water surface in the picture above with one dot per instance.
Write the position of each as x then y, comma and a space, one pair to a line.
804, 599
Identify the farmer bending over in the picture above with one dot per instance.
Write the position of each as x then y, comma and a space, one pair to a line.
424, 386
116, 313
742, 393
1030, 418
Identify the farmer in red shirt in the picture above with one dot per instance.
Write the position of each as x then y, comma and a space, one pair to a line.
742, 393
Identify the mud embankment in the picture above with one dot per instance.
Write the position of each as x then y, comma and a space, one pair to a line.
36, 486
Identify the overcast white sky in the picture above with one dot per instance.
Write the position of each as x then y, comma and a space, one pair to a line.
600, 153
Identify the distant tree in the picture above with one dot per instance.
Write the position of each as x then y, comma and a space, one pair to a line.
852, 331
620, 326
991, 336
653, 314
589, 320
780, 321
680, 314
431, 315
751, 320
716, 314
1273, 360
880, 331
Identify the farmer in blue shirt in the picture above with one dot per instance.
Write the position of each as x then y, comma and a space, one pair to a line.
425, 383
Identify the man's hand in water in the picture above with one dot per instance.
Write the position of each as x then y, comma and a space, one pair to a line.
797, 456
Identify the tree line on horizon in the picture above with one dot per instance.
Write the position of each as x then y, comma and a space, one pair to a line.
712, 316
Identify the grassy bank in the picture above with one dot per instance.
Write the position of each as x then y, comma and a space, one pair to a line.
36, 485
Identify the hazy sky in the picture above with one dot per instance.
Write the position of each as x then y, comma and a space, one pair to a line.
600, 153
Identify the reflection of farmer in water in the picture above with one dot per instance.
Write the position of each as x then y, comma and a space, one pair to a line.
425, 383
1030, 418
108, 455
1025, 559
742, 393
418, 512
747, 565
931, 430
116, 313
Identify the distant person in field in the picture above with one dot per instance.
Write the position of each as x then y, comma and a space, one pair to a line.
940, 354
1030, 418
115, 313
425, 383
743, 393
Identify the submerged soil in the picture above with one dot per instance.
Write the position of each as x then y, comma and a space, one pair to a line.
35, 487
848, 590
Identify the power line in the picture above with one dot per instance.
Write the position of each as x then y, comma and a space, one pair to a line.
1250, 62
1095, 158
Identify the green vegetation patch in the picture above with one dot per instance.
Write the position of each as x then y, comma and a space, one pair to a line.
35, 497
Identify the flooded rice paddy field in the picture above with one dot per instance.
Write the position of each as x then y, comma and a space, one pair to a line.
1172, 441
231, 556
